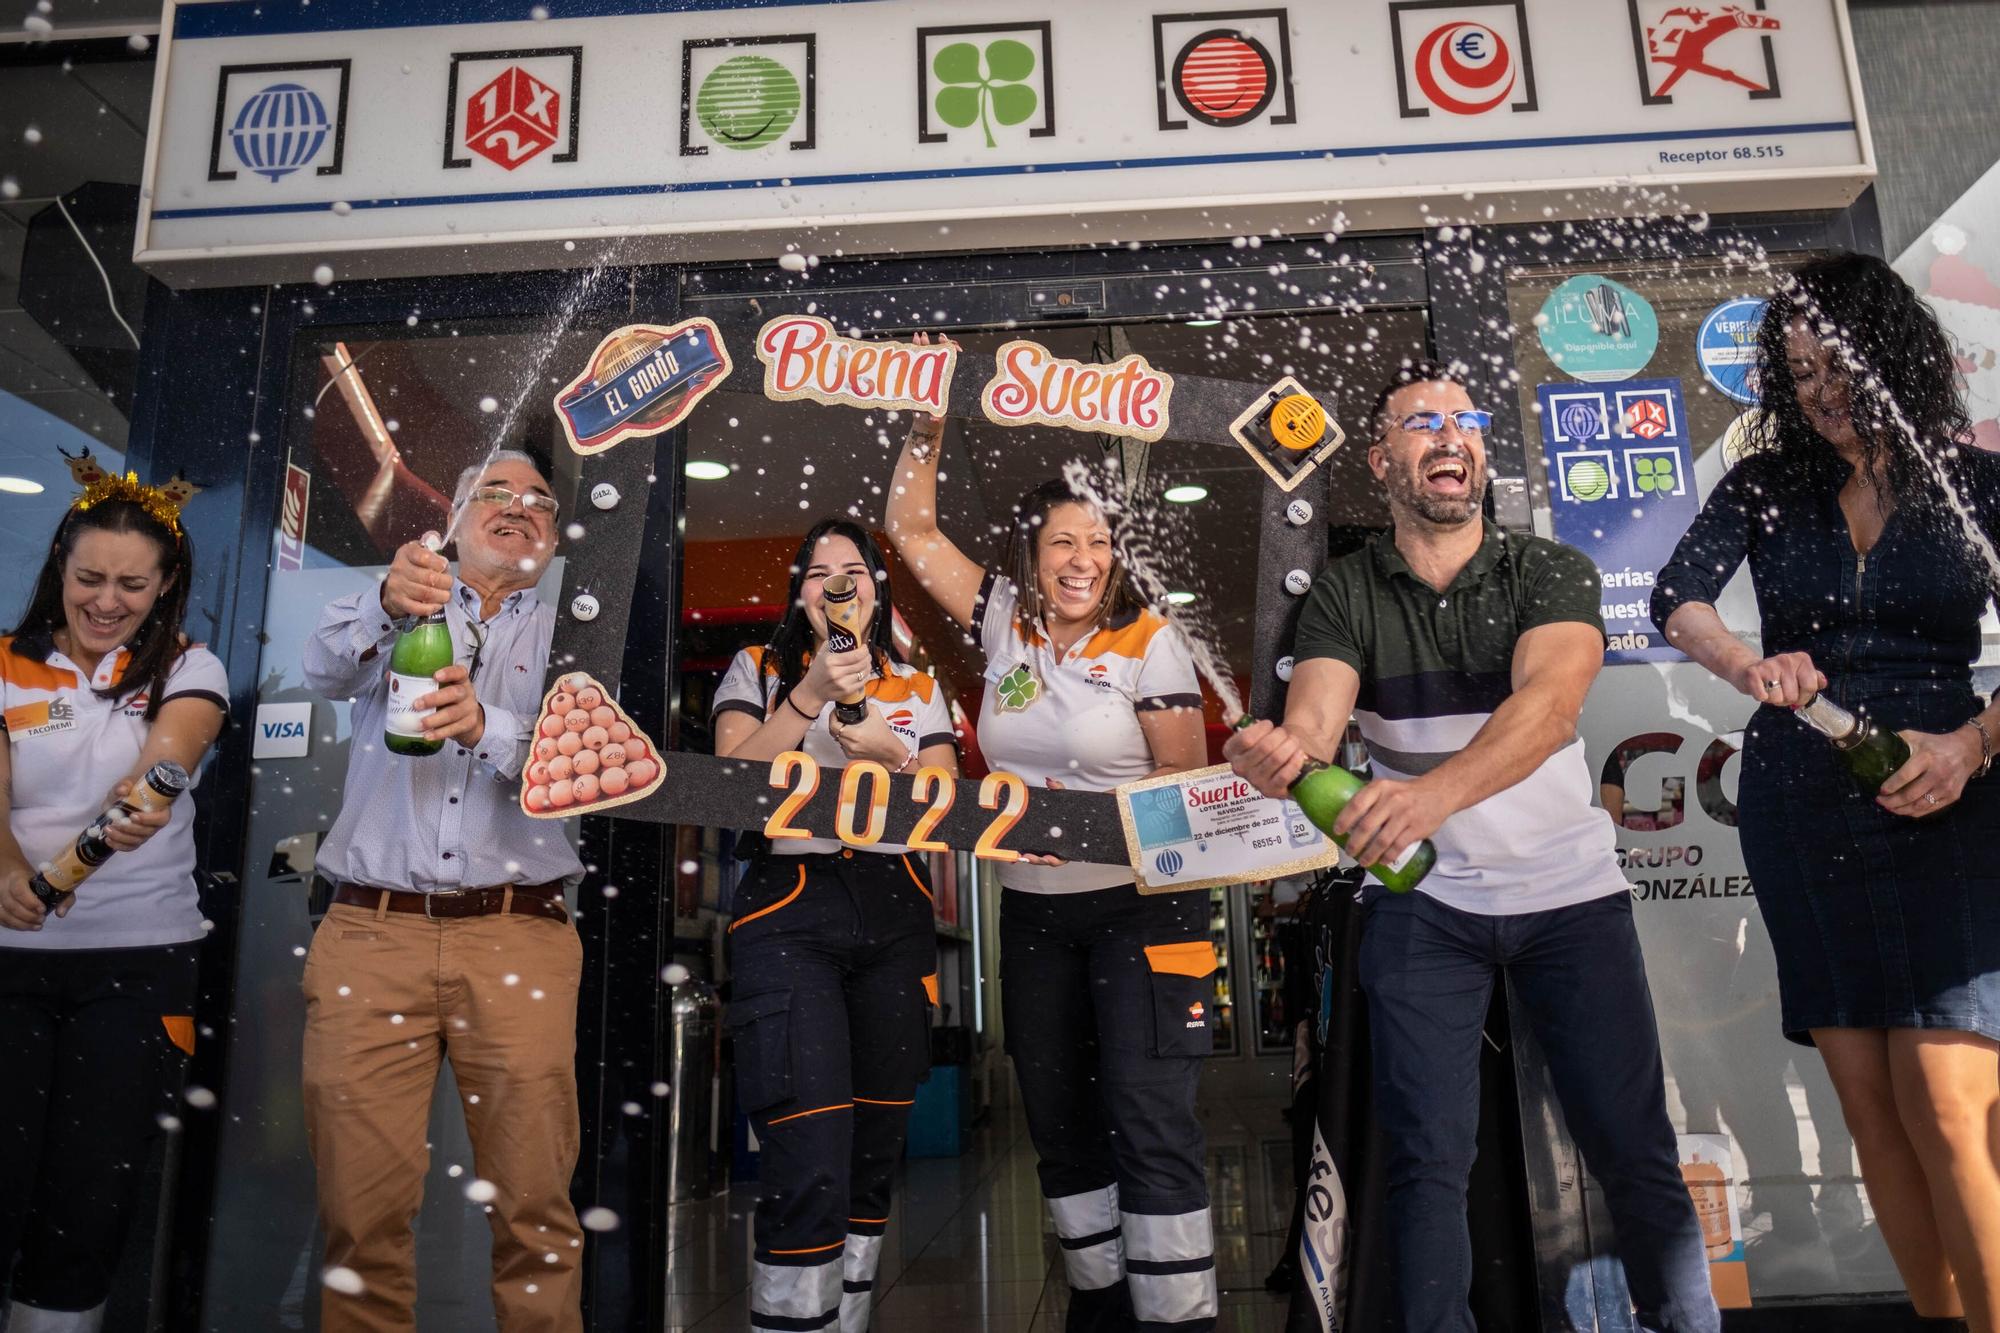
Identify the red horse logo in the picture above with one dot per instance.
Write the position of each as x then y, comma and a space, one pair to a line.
1680, 41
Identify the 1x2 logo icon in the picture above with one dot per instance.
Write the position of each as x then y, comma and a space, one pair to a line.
522, 104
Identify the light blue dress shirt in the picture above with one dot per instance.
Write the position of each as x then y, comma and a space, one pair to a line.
451, 820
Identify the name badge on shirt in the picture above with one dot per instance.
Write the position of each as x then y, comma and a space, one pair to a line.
25, 721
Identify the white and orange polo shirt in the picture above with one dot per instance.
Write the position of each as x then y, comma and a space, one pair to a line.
908, 700
1075, 719
67, 747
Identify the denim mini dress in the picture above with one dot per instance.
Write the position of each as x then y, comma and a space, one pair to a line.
1877, 920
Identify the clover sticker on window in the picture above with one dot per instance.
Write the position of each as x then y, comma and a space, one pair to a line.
1018, 688
1654, 473
1001, 93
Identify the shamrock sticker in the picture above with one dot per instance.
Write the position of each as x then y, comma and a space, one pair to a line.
967, 95
1654, 472
1018, 688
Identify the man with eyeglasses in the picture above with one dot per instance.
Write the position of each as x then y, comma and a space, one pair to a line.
1464, 653
447, 936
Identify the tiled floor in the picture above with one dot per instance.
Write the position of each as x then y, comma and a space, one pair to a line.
967, 1248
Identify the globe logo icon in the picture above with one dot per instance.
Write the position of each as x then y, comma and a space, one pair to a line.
280, 129
1168, 863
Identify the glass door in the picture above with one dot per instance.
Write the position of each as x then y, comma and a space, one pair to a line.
382, 419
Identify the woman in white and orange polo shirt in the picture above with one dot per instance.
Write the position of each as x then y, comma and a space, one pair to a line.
833, 954
97, 685
1105, 991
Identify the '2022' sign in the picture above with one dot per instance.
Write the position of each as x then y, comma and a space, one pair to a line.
861, 821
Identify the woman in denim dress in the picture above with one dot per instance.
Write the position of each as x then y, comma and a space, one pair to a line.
1884, 909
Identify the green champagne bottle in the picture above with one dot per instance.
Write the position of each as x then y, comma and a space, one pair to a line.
423, 648
1323, 791
1871, 752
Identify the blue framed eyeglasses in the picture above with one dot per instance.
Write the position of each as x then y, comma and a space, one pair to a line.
1430, 423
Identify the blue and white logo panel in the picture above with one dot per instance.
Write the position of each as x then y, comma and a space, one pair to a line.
281, 122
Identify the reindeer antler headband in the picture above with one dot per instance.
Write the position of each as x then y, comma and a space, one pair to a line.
163, 503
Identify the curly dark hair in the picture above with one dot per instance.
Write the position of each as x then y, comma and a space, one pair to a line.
1889, 347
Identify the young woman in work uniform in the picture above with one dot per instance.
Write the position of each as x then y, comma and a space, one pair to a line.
834, 949
96, 997
1104, 991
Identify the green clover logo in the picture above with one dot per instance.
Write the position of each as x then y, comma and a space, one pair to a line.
966, 94
1019, 688
1654, 472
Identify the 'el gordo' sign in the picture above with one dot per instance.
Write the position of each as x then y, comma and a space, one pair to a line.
1033, 386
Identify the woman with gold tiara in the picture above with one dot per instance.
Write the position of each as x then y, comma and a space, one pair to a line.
97, 685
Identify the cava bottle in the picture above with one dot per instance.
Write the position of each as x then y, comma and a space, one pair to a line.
1323, 791
1871, 752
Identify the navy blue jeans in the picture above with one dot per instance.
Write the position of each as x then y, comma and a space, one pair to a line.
1429, 972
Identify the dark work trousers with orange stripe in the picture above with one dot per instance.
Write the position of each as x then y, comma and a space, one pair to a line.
833, 965
93, 1046
1106, 995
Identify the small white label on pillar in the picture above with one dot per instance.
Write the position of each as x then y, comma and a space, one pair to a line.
583, 606
1284, 668
604, 495
1297, 582
1299, 513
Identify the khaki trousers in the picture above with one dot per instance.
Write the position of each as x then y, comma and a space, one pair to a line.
388, 997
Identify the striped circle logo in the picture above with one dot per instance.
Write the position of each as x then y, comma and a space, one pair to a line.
1168, 863
747, 102
1588, 480
280, 130
1223, 77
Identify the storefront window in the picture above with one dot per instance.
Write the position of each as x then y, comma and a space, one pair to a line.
1638, 420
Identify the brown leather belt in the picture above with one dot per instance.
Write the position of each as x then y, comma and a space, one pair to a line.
518, 899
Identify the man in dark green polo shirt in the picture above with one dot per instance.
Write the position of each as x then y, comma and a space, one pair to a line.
1465, 653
